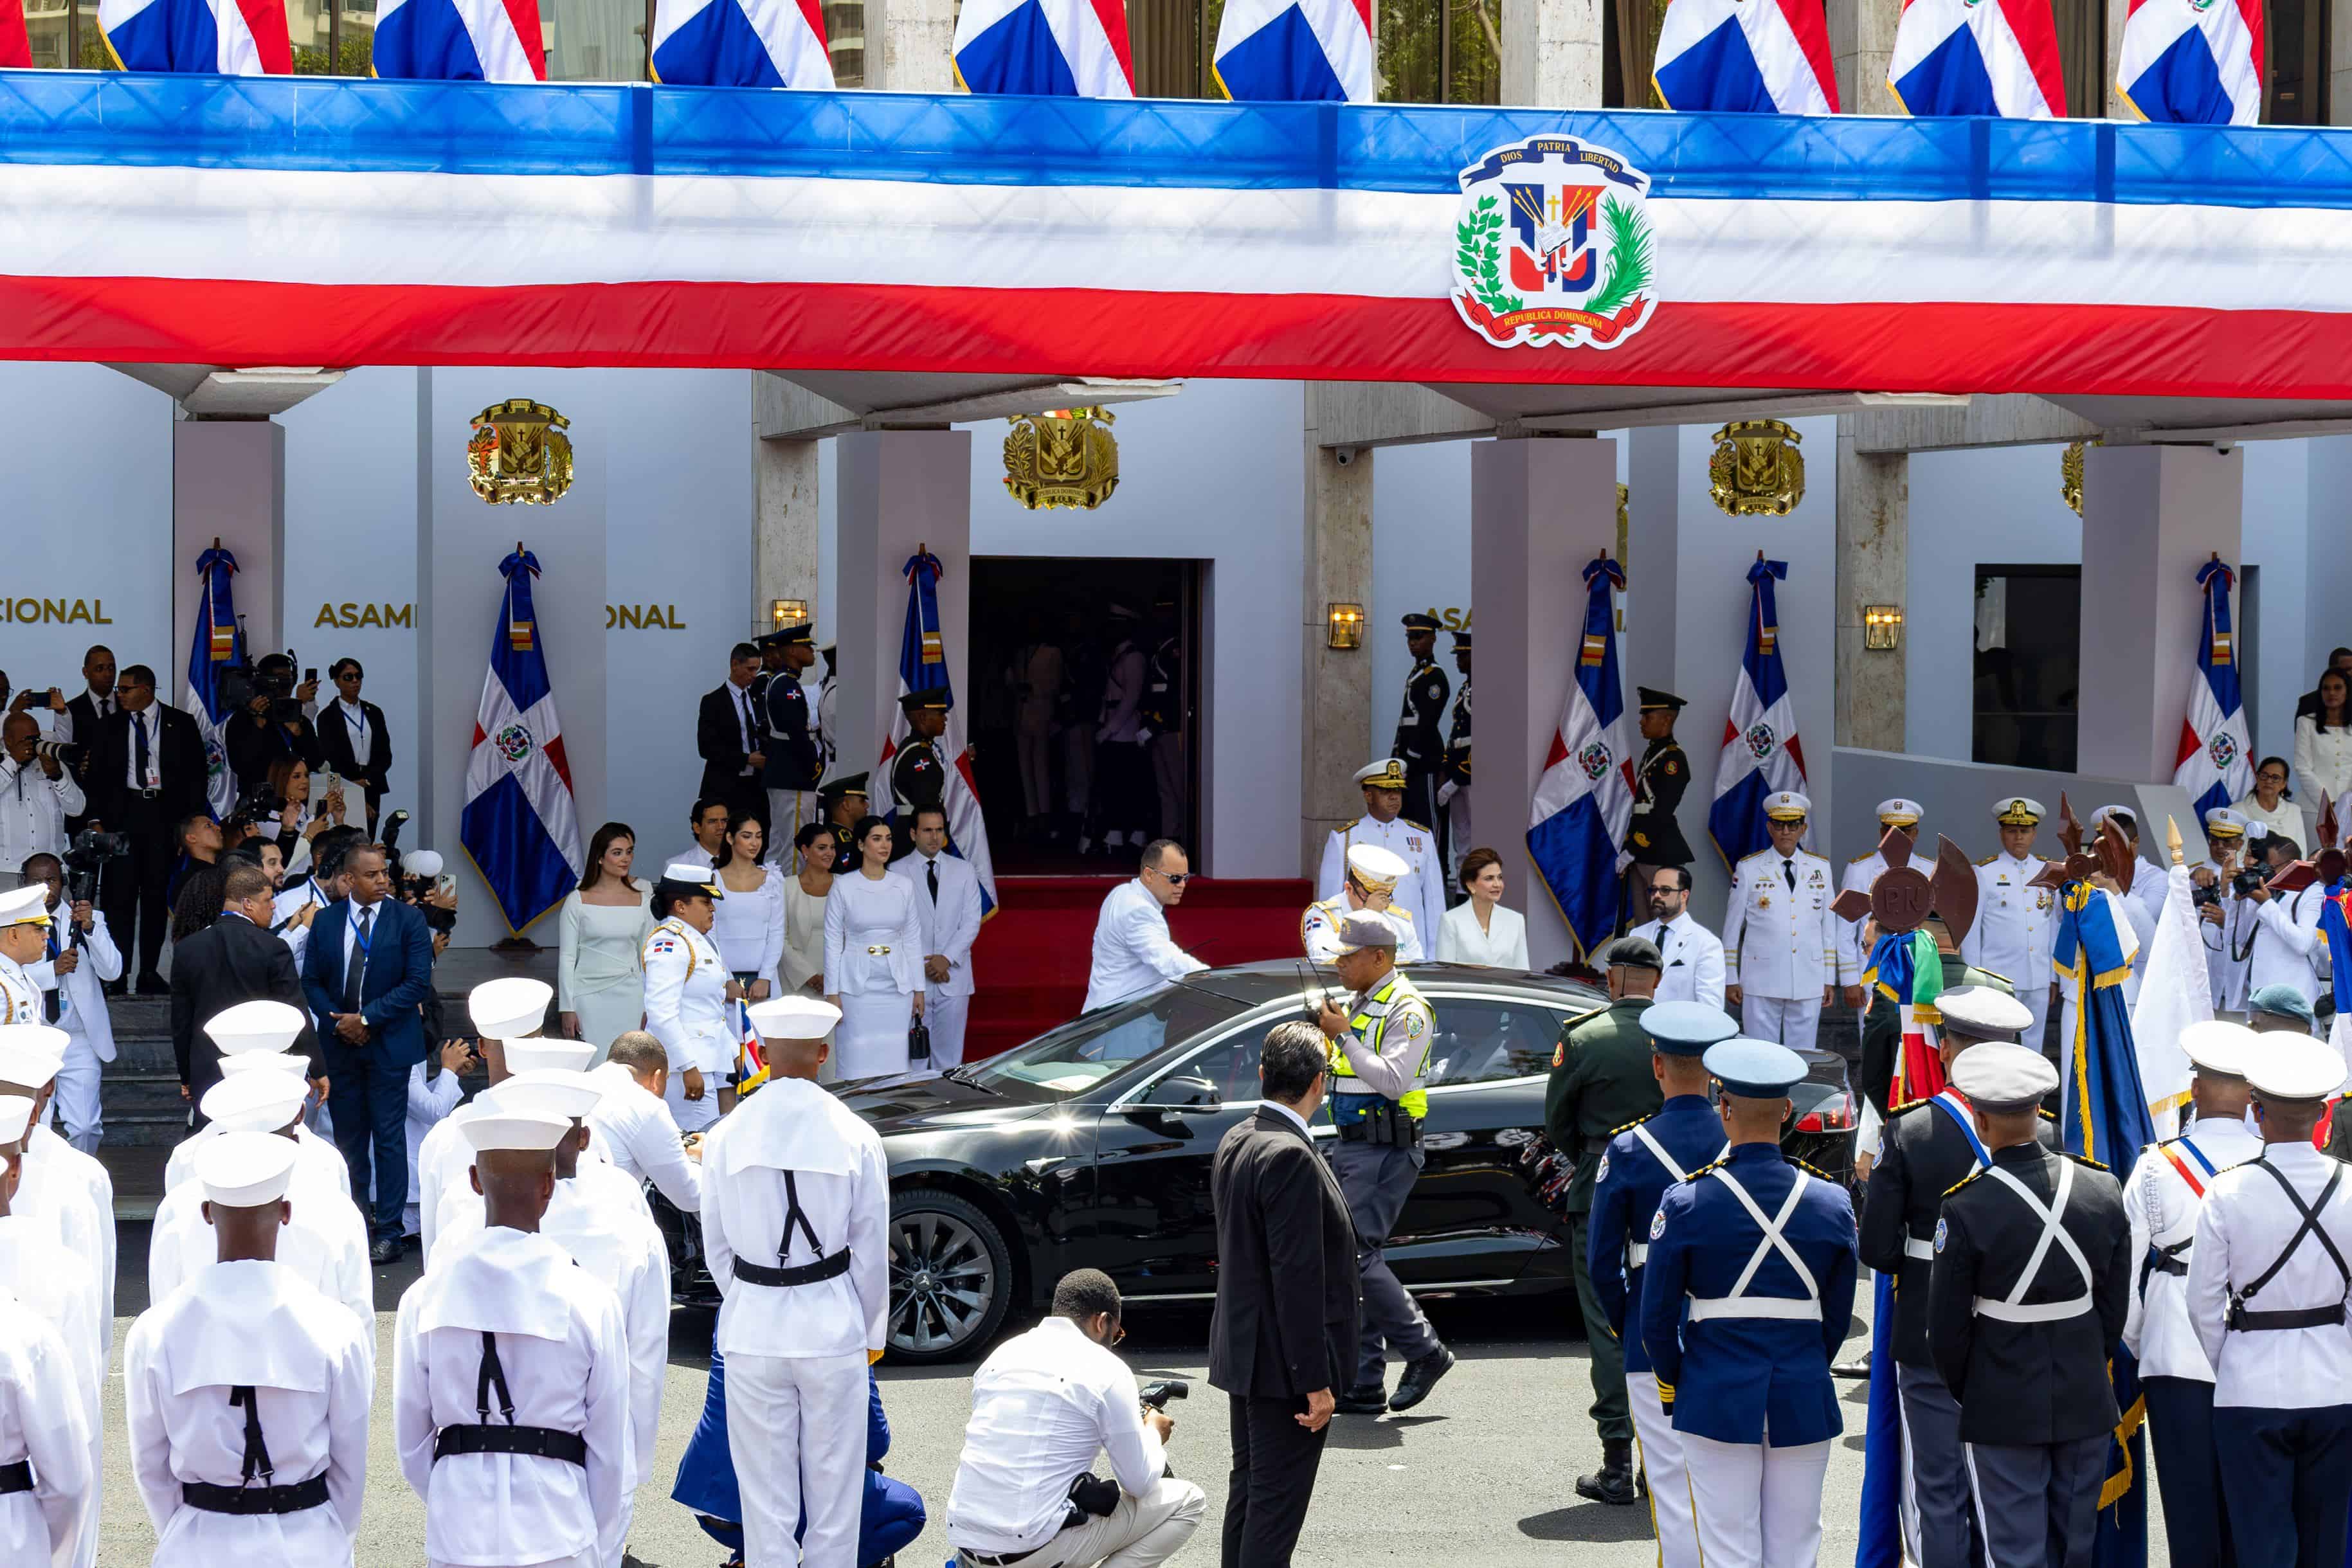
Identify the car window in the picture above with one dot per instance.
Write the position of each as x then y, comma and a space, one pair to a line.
1229, 1063
1087, 1049
1484, 1040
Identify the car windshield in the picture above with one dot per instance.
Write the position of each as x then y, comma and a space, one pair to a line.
1086, 1051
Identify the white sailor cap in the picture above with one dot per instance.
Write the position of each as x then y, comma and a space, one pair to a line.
509, 1007
422, 862
1366, 928
1901, 813
2018, 812
699, 878
2288, 1066
1983, 1013
2124, 817
793, 1018
15, 1118
265, 1061
30, 1053
1788, 806
543, 1092
1998, 1076
1375, 867
1387, 773
539, 1055
255, 1101
255, 1026
2222, 822
244, 1170
26, 905
2219, 1046
491, 1131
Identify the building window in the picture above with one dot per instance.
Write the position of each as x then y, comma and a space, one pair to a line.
594, 40
2081, 27
845, 41
2294, 55
1440, 51
2029, 623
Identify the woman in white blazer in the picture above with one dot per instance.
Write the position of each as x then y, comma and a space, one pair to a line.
1479, 930
873, 958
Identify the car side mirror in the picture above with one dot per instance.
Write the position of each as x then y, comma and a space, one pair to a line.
1186, 1091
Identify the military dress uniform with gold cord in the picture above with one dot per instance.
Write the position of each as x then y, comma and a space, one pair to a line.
1420, 738
1422, 891
2015, 924
1657, 836
1861, 873
1781, 945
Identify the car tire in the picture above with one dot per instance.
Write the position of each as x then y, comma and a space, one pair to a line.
950, 1278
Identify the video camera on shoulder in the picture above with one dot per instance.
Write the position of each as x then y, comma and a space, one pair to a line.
254, 806
86, 858
415, 875
272, 677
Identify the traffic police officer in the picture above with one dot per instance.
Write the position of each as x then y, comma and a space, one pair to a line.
1746, 1296
1930, 1145
1656, 838
2028, 1287
1380, 1070
918, 778
2268, 1281
1454, 790
1601, 1082
1373, 876
1862, 874
1780, 947
1422, 891
2015, 923
2161, 1201
1420, 744
795, 758
1642, 1162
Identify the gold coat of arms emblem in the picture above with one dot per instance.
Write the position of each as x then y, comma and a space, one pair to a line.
1065, 457
1757, 468
519, 454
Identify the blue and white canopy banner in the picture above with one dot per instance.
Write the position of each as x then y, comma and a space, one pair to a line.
2193, 61
922, 667
1059, 48
874, 232
218, 642
1761, 754
1765, 58
461, 40
1584, 799
519, 824
2216, 763
1297, 51
741, 42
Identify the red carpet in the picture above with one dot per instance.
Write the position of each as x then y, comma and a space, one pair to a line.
1033, 955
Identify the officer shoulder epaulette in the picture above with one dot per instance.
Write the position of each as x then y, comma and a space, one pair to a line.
1868, 855
1571, 1026
1814, 1171
1898, 1110
1716, 1164
1989, 859
2047, 1113
1394, 913
1758, 855
1409, 822
2083, 1160
1629, 1125
1346, 828
1964, 1181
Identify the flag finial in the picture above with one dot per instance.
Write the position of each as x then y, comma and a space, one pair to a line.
2172, 840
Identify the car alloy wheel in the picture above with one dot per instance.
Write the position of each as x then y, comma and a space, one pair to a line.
949, 1277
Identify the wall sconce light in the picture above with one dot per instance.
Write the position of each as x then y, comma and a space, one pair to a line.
1882, 626
1347, 622
788, 611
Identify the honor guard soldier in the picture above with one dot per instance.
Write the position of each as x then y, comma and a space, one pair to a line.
1746, 1296
511, 1376
2028, 1290
795, 758
1928, 1148
1780, 944
1373, 877
1601, 1082
2268, 1281
1380, 1044
2015, 923
50, 1351
1453, 780
24, 941
796, 1215
2161, 1201
246, 1392
1862, 875
1656, 837
919, 776
1421, 893
843, 800
1420, 745
1643, 1161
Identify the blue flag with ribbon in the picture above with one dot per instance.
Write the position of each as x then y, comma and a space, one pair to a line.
520, 823
216, 643
922, 667
1761, 754
2215, 763
1584, 798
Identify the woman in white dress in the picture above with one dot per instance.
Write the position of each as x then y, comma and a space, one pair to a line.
805, 895
600, 967
2322, 750
872, 958
433, 1092
749, 929
1479, 930
687, 990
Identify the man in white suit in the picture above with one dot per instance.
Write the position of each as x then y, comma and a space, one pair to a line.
72, 975
947, 899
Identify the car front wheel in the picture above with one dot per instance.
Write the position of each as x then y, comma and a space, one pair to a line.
951, 1277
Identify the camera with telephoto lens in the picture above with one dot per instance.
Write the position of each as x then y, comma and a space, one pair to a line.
1157, 1394
86, 858
415, 875
270, 676
65, 751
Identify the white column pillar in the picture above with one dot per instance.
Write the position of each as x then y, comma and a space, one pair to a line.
900, 490
2151, 516
911, 47
1538, 511
1337, 683
784, 535
1874, 564
228, 482
1551, 54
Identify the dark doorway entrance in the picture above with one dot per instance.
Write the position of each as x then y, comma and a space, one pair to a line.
1055, 647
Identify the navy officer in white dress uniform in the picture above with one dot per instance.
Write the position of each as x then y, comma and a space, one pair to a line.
2015, 924
1746, 1297
1642, 1163
1781, 947
1421, 893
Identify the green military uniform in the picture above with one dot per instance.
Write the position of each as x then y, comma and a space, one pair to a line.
1600, 1081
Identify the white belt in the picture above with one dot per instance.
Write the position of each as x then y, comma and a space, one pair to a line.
1636, 1254
1923, 1250
2020, 1312
1788, 1307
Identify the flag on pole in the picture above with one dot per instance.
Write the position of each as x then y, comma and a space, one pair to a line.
2176, 990
741, 43
231, 37
16, 45
2216, 762
461, 40
2192, 61
1997, 57
1761, 756
1294, 50
1584, 799
519, 824
750, 1052
923, 667
1770, 58
1063, 49
216, 643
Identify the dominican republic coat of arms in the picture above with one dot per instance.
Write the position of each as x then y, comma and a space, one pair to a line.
1552, 245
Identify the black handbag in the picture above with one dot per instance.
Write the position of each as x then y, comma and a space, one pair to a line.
918, 1043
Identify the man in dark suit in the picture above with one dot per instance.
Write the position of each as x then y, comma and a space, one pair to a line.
367, 970
727, 734
148, 772
1284, 1335
86, 711
353, 737
234, 959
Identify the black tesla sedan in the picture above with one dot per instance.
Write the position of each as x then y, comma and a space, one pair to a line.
1089, 1147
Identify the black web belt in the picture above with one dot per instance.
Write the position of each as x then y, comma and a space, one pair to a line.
486, 1437
2167, 1260
254, 1494
828, 1266
2302, 1317
17, 1477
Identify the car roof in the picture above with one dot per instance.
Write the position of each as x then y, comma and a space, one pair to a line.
1275, 979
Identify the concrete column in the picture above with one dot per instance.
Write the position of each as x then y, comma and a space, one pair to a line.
1653, 558
900, 490
1873, 563
911, 47
2151, 516
1336, 684
228, 482
1551, 53
1862, 42
1538, 511
2115, 53
785, 538
2339, 63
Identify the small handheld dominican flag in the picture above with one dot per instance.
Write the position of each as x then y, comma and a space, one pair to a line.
16, 45
1769, 57
741, 43
461, 40
216, 645
1584, 799
519, 824
2215, 765
2196, 61
231, 37
1294, 50
750, 1053
1063, 49
1997, 57
922, 667
1760, 755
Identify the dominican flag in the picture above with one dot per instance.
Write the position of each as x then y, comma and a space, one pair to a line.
1760, 755
518, 824
462, 40
216, 643
15, 47
1997, 57
2215, 765
1062, 48
923, 666
1584, 799
231, 37
2201, 64
1769, 57
1294, 50
741, 43
751, 1052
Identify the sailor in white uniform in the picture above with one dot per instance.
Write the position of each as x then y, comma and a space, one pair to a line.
795, 1217
2015, 924
1421, 892
256, 1037
246, 1391
1861, 875
507, 1015
1372, 880
2144, 899
510, 1377
688, 993
49, 1378
632, 1122
24, 941
1781, 949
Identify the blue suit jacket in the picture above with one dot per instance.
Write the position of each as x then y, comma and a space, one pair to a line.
398, 979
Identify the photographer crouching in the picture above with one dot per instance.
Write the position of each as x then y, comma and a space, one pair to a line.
1042, 1406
